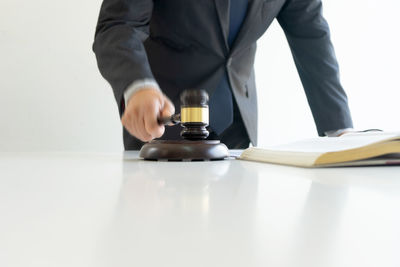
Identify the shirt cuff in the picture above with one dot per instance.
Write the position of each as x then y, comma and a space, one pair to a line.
137, 86
336, 133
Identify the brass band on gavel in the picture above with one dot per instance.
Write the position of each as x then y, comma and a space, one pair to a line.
195, 114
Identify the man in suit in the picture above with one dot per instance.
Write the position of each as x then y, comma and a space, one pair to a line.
151, 50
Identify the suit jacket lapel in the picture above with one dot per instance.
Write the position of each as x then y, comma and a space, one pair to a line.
222, 7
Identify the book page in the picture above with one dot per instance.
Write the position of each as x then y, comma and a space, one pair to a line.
332, 144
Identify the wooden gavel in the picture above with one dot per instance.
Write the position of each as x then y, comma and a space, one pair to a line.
194, 116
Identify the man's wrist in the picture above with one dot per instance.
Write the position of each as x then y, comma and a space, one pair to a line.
137, 86
336, 133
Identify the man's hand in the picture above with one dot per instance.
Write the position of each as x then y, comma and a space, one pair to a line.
346, 132
142, 111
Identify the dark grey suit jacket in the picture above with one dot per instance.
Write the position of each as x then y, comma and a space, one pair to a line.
183, 44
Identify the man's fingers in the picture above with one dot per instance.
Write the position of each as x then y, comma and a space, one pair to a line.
140, 127
168, 109
135, 126
151, 123
152, 127
146, 136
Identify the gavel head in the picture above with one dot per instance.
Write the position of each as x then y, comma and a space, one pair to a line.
194, 114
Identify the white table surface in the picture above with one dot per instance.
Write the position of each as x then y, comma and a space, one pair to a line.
77, 209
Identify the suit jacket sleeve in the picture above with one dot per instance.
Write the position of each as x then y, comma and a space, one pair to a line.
309, 39
121, 57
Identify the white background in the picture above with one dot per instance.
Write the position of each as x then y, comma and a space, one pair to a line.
52, 96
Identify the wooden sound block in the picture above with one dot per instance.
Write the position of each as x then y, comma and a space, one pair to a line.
184, 150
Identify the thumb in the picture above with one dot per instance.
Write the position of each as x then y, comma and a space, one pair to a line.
168, 109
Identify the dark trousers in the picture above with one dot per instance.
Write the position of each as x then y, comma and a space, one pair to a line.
234, 137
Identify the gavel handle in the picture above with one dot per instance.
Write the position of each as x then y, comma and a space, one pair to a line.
174, 119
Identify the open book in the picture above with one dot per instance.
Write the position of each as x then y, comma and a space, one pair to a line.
353, 149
